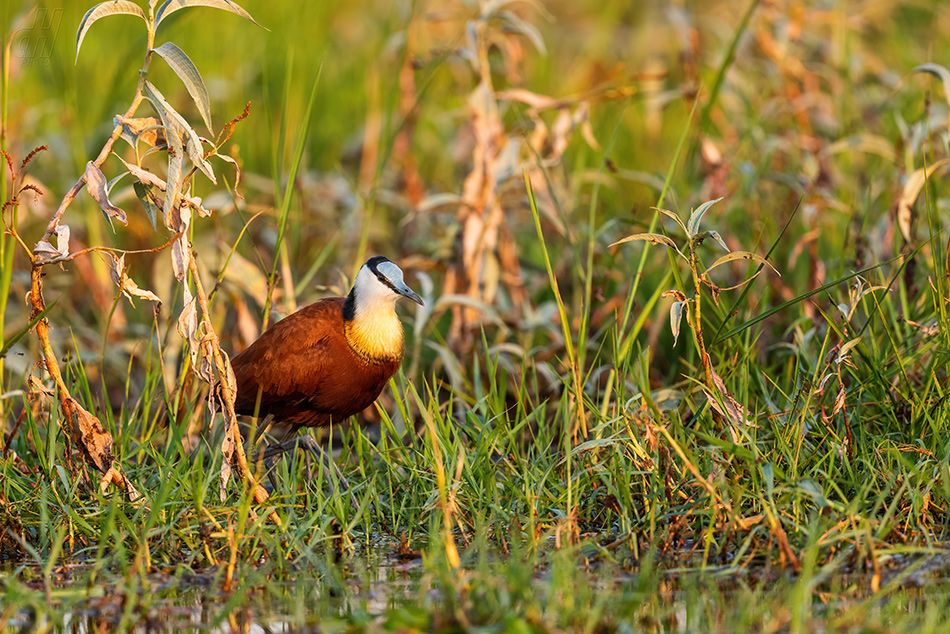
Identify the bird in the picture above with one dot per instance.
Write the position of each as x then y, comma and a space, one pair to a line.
327, 361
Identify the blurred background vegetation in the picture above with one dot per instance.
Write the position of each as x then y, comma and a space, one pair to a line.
805, 116
812, 108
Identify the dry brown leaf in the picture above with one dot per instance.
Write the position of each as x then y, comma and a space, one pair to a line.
730, 408
188, 325
533, 99
96, 186
128, 287
45, 252
745, 523
147, 130
114, 476
94, 441
839, 401
930, 329
148, 178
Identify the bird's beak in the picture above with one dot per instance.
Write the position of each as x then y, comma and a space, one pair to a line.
407, 292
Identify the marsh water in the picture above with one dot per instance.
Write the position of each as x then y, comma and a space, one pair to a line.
382, 589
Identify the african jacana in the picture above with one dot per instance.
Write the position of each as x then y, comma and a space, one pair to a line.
329, 360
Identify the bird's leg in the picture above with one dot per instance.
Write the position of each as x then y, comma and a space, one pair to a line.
307, 442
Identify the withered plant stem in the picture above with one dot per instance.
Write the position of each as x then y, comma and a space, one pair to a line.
224, 376
38, 302
697, 323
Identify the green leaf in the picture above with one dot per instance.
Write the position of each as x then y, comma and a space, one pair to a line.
174, 5
941, 73
143, 192
692, 226
111, 184
186, 71
101, 10
652, 238
741, 255
676, 317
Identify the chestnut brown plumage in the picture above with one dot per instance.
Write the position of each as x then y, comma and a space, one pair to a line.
330, 360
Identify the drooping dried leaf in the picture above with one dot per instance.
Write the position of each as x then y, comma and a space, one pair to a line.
839, 401
94, 441
188, 325
150, 180
205, 369
227, 450
915, 182
843, 352
745, 523
148, 130
44, 252
730, 409
179, 253
692, 225
189, 75
741, 255
177, 126
62, 240
670, 214
101, 10
237, 172
117, 271
97, 187
231, 431
679, 295
652, 238
929, 329
114, 476
144, 175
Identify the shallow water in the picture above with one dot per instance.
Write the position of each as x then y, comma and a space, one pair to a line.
379, 590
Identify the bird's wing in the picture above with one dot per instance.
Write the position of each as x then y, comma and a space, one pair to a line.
287, 362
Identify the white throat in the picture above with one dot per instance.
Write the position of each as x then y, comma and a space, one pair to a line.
375, 331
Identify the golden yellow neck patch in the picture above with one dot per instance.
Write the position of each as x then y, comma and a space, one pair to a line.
376, 336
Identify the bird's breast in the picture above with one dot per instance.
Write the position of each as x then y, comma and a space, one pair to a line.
375, 338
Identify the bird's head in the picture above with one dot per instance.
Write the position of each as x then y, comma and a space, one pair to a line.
378, 285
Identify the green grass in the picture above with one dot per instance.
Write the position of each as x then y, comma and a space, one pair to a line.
567, 452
